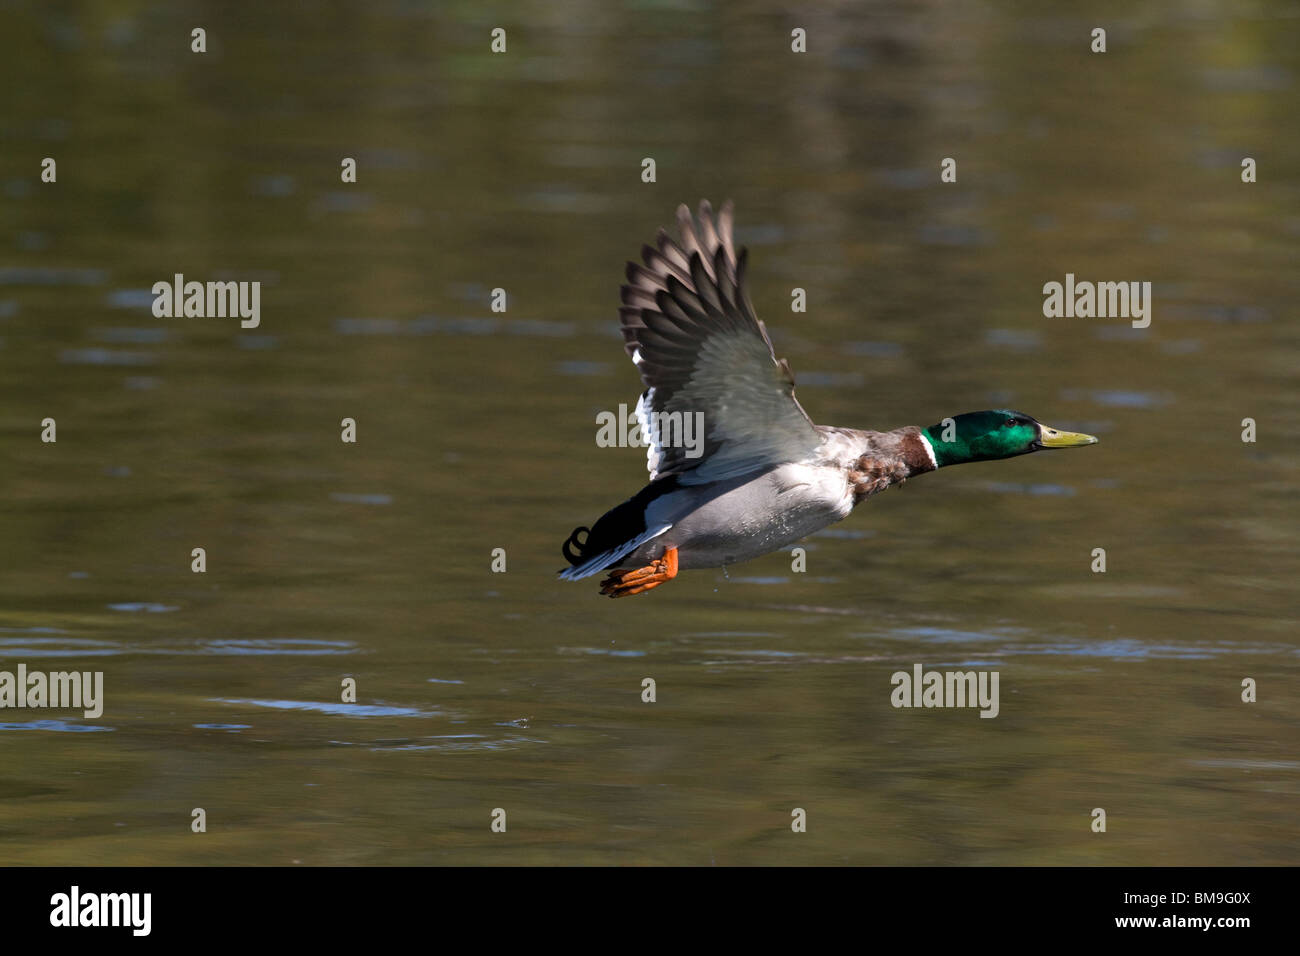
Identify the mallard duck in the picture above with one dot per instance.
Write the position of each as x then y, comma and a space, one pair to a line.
760, 475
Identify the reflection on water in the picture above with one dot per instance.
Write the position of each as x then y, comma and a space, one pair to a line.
372, 561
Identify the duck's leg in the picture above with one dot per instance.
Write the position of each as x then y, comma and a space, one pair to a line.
623, 583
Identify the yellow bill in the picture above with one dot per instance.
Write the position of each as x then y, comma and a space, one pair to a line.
1055, 438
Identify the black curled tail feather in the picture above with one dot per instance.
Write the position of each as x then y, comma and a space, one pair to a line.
574, 550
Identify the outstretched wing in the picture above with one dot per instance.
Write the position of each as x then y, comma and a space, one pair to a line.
691, 330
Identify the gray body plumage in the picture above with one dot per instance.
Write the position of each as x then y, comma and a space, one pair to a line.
750, 515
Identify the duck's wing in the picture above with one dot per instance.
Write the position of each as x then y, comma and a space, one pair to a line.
691, 330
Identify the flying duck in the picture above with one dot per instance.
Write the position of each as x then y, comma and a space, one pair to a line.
758, 475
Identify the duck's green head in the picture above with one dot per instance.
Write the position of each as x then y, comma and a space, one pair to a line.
993, 434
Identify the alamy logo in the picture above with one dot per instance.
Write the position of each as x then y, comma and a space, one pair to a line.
208, 300
57, 689
1102, 300
623, 429
102, 909
946, 689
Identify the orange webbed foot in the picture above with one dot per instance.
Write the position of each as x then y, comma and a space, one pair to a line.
623, 583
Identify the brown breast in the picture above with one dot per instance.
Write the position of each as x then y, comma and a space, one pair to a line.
893, 458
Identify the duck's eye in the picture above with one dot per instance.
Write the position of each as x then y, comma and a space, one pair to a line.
1010, 423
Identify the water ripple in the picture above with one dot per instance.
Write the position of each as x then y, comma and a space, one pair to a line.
462, 742
282, 646
87, 647
329, 707
58, 726
348, 498
608, 652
